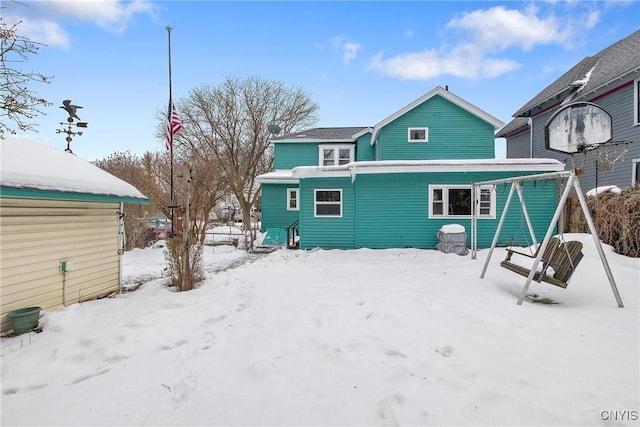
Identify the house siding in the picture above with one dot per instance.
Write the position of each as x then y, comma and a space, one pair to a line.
364, 150
619, 104
36, 235
454, 133
618, 101
291, 154
274, 206
519, 147
392, 211
330, 232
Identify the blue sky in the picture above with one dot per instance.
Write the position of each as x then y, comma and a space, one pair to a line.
360, 61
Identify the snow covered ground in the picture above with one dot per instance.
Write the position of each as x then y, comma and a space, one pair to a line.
332, 337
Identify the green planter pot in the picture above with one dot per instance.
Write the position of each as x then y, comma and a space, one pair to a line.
24, 319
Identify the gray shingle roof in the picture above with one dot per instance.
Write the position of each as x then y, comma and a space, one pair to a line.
514, 126
612, 63
322, 134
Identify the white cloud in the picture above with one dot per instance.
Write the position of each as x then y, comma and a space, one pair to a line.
350, 51
592, 19
45, 32
484, 35
42, 21
346, 49
499, 28
112, 15
429, 64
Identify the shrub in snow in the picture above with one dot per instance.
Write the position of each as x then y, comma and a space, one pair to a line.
175, 254
616, 216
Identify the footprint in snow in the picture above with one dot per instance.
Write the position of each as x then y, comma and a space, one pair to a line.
445, 351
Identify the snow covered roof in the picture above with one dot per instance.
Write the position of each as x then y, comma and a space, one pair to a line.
405, 166
28, 168
277, 177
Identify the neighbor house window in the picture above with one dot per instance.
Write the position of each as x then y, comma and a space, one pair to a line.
635, 172
328, 203
418, 134
292, 199
455, 201
333, 155
636, 102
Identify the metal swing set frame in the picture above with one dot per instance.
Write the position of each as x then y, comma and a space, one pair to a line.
571, 183
573, 128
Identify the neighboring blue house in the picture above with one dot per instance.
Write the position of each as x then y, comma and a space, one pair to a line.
397, 183
610, 79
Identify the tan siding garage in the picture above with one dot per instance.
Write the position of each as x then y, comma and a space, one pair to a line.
36, 235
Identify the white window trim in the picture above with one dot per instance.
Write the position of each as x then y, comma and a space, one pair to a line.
426, 135
635, 180
289, 191
336, 152
636, 112
445, 200
315, 203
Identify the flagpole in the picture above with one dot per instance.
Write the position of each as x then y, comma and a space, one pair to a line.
169, 28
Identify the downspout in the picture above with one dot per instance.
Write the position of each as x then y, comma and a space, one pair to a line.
352, 172
530, 137
375, 144
121, 238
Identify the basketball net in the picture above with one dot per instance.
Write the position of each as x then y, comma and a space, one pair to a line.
605, 155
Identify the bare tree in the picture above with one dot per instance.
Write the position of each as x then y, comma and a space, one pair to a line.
230, 123
206, 188
157, 170
129, 168
19, 104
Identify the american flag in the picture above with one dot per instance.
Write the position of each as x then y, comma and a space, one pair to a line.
173, 124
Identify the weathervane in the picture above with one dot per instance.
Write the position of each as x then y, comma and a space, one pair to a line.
71, 109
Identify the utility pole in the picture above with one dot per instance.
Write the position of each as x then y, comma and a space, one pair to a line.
187, 284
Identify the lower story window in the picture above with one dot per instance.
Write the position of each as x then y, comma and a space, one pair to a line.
292, 199
328, 203
455, 201
635, 173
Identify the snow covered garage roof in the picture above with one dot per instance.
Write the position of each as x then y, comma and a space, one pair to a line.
28, 169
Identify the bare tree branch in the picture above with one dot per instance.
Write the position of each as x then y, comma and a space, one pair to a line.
18, 103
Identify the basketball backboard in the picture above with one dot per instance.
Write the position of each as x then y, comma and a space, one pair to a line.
576, 126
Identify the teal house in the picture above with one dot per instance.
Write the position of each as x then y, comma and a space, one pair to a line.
395, 184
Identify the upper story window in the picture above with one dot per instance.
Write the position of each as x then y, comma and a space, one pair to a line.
455, 201
292, 199
336, 154
418, 134
636, 102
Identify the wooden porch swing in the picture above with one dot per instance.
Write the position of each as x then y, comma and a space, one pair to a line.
559, 261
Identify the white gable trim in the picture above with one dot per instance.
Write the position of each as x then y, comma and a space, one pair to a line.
362, 133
